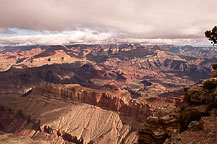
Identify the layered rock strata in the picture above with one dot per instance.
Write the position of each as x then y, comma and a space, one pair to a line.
115, 100
72, 113
16, 122
192, 119
158, 127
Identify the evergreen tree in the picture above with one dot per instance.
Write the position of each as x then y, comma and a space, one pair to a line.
212, 35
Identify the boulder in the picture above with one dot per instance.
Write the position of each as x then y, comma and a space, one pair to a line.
195, 126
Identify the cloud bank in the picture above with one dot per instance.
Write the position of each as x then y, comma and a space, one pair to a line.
122, 19
91, 38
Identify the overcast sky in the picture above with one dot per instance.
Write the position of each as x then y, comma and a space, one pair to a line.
64, 21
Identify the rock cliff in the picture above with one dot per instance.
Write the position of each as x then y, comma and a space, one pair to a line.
71, 113
16, 122
168, 68
114, 100
188, 123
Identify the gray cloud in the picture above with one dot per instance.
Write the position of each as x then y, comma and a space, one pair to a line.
165, 19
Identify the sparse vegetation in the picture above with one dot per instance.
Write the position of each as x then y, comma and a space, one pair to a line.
212, 35
210, 83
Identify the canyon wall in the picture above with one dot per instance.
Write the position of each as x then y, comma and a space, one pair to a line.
193, 121
114, 100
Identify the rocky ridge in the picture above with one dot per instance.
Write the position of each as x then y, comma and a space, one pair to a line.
20, 124
88, 123
71, 113
9, 138
188, 122
126, 66
115, 100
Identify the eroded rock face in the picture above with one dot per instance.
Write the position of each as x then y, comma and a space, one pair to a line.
190, 119
114, 100
195, 126
157, 128
204, 130
166, 68
72, 113
205, 93
18, 80
204, 135
9, 138
67, 120
214, 71
170, 121
196, 94
21, 124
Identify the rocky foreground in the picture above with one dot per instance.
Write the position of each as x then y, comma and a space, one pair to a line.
195, 121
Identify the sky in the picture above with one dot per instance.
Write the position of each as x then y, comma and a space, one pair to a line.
178, 22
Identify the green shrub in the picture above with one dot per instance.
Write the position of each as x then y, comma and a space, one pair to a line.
210, 83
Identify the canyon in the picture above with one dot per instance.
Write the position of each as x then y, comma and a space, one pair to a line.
192, 122
100, 93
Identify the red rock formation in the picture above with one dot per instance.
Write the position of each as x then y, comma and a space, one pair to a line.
115, 100
16, 122
194, 119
